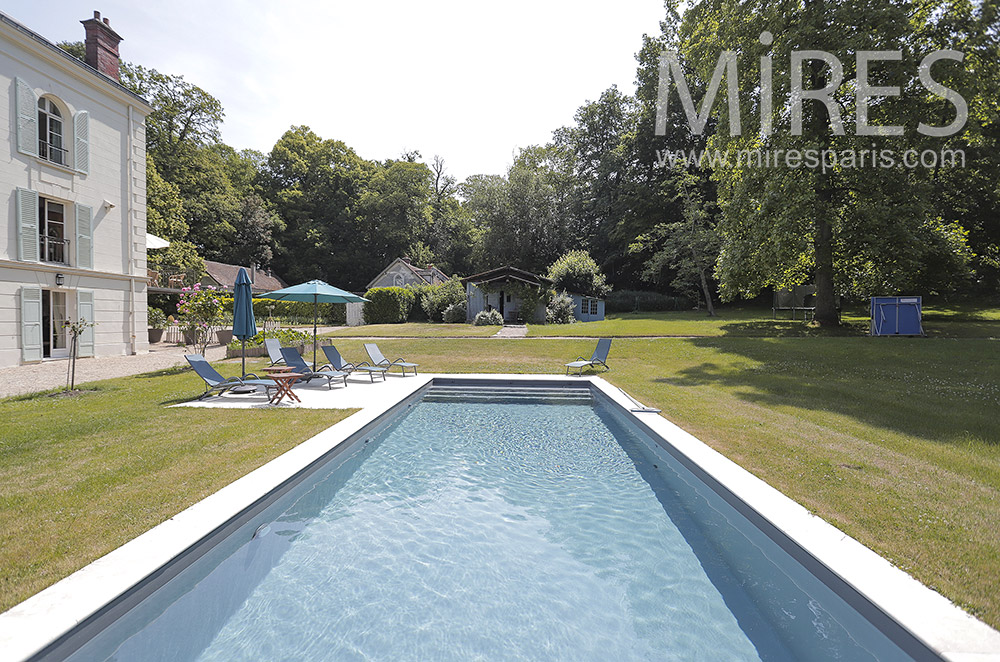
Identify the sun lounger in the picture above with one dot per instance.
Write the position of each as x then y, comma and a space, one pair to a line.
378, 359
273, 346
337, 362
216, 382
294, 360
600, 357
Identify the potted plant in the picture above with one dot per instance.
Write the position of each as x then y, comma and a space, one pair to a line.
157, 323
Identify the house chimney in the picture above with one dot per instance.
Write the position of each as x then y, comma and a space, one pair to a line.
253, 272
102, 46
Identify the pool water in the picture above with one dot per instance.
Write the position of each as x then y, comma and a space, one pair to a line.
475, 531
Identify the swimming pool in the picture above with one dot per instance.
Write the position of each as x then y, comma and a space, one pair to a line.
533, 523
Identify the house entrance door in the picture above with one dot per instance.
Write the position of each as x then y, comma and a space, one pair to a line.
54, 313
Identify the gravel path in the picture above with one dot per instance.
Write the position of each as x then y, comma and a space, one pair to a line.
22, 379
511, 331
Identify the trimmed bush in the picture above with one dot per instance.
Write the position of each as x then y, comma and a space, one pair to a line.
388, 305
455, 313
488, 318
439, 297
577, 272
627, 301
560, 310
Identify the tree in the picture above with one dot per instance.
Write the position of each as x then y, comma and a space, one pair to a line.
854, 229
688, 247
525, 216
165, 218
184, 117
575, 271
314, 186
253, 238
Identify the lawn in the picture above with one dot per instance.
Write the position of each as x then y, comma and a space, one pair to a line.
415, 330
895, 441
939, 321
82, 475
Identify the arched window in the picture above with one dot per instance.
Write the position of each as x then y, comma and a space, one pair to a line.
397, 280
50, 132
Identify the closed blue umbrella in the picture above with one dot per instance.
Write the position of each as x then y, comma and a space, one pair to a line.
244, 325
317, 292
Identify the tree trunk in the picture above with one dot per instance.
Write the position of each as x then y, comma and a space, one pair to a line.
708, 293
826, 302
820, 129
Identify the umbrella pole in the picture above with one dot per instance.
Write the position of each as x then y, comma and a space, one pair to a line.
315, 315
244, 354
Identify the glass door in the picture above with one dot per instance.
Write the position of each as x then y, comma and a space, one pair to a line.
54, 335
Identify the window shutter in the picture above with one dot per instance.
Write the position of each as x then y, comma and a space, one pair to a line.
27, 225
84, 237
27, 119
81, 145
31, 324
85, 312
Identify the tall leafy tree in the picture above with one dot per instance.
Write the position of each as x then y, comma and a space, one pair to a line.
857, 229
314, 185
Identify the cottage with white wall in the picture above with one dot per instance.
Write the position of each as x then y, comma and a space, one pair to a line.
73, 238
497, 289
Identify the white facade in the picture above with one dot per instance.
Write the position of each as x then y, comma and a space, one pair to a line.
73, 230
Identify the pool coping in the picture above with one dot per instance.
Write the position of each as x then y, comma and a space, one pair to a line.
33, 625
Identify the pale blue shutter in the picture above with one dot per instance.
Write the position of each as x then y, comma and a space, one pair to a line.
27, 225
81, 144
85, 312
84, 237
27, 119
31, 323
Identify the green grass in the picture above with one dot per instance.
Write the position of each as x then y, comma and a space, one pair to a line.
82, 475
939, 321
415, 330
895, 441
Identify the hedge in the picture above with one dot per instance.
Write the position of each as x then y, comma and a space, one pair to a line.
388, 305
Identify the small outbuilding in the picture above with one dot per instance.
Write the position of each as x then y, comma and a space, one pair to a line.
503, 289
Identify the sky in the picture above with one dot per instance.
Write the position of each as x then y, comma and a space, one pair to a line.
471, 82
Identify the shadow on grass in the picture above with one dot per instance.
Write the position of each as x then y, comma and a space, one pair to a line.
165, 372
936, 390
786, 329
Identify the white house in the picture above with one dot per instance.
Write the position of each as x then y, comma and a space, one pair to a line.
73, 243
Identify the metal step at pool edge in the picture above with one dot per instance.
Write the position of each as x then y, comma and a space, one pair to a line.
509, 394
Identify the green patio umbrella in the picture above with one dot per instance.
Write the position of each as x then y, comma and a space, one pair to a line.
318, 292
244, 325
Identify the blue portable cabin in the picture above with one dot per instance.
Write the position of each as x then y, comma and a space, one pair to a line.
896, 316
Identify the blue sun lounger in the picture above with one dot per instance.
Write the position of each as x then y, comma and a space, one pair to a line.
600, 357
294, 360
378, 359
337, 362
216, 382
